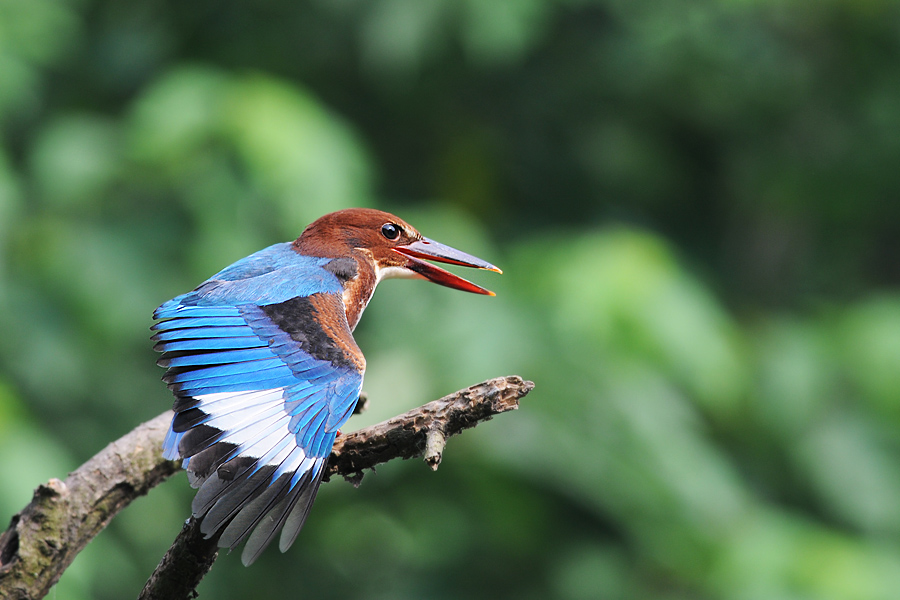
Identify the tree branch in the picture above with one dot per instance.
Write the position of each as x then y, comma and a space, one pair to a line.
44, 538
405, 436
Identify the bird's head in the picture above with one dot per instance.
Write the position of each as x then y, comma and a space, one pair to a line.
392, 247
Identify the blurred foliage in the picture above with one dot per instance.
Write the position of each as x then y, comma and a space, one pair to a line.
694, 202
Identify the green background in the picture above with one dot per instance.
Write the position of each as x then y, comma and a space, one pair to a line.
695, 204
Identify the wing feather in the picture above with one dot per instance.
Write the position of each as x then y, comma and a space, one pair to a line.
261, 390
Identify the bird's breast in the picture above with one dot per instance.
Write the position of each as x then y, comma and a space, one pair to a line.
357, 293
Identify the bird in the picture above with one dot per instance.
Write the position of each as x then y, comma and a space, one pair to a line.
264, 368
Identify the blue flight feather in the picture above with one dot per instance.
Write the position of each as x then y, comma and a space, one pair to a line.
210, 387
218, 358
263, 375
203, 332
174, 309
230, 369
212, 344
213, 321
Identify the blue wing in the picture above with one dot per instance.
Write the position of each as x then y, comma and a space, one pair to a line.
261, 390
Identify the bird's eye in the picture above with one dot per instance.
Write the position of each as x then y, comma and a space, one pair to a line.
390, 231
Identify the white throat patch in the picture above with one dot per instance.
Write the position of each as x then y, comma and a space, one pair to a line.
394, 273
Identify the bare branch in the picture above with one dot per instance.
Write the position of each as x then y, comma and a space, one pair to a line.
183, 566
44, 538
407, 435
404, 436
63, 517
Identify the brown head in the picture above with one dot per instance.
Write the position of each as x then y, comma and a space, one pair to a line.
390, 246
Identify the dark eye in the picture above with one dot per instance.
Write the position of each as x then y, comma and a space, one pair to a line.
390, 231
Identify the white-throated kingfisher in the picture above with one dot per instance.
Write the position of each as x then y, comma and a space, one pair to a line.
265, 369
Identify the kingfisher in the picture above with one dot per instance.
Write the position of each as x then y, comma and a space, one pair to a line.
265, 371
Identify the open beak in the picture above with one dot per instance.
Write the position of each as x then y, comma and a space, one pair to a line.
438, 252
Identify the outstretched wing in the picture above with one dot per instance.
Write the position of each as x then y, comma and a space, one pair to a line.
261, 391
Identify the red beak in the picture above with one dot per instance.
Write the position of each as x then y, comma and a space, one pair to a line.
438, 252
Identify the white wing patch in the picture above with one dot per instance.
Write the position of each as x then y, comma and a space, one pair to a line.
257, 424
